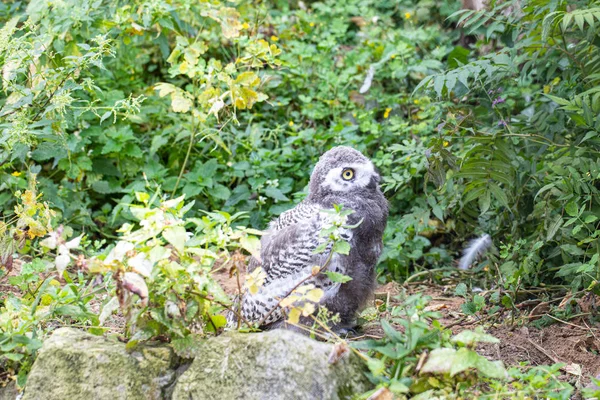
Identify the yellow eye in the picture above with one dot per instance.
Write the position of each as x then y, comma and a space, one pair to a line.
347, 174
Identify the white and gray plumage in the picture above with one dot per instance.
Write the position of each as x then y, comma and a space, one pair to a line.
343, 176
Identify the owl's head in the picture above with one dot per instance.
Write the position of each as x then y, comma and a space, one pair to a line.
343, 170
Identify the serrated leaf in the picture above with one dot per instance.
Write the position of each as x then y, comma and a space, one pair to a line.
342, 247
177, 236
572, 209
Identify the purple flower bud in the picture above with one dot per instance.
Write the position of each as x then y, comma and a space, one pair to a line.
498, 100
502, 123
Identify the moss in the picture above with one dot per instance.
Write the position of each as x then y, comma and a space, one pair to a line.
76, 365
272, 365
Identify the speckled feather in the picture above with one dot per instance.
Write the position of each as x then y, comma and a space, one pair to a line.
287, 248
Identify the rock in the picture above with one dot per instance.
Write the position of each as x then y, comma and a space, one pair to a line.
9, 392
76, 365
277, 364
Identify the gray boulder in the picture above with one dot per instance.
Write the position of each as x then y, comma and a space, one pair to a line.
9, 392
76, 365
278, 364
273, 365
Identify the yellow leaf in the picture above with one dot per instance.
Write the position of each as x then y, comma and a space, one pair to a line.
288, 301
164, 89
315, 270
247, 78
308, 309
255, 280
180, 103
304, 288
315, 295
183, 67
230, 23
294, 316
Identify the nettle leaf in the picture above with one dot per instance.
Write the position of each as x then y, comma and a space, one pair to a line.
177, 236
376, 366
220, 192
337, 277
342, 247
439, 361
461, 289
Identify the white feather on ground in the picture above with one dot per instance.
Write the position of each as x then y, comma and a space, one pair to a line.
474, 250
368, 80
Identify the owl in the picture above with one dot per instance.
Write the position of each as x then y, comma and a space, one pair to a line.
344, 177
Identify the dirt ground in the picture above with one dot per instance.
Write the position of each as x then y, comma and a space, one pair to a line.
573, 342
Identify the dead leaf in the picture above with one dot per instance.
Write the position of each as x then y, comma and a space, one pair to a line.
359, 21
436, 307
339, 351
573, 369
539, 310
382, 394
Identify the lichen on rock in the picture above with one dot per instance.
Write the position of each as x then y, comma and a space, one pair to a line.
272, 365
74, 365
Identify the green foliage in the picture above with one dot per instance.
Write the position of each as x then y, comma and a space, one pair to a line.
479, 121
163, 270
527, 171
419, 359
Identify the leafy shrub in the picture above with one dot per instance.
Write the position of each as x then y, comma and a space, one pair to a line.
526, 172
421, 360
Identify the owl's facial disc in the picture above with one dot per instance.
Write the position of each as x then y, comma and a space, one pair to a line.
349, 176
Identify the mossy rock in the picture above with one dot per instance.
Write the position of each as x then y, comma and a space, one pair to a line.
76, 365
278, 364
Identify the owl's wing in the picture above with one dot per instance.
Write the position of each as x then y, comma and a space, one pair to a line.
287, 259
302, 212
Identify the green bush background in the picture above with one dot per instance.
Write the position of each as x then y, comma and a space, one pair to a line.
479, 122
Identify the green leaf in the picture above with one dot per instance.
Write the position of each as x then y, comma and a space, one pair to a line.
440, 361
469, 338
276, 194
572, 209
220, 192
553, 227
572, 249
337, 277
341, 247
461, 289
177, 236
376, 366
13, 356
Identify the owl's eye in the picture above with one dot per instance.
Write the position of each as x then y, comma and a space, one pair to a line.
347, 174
